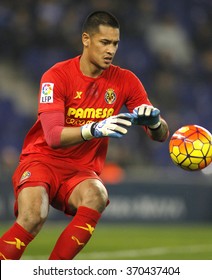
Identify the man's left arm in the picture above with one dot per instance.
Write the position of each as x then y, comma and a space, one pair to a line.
160, 133
149, 116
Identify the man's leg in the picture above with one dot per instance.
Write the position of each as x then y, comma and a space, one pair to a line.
90, 199
32, 212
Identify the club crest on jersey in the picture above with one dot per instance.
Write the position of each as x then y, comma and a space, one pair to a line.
46, 93
25, 175
110, 96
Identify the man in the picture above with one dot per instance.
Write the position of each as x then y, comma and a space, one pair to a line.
64, 152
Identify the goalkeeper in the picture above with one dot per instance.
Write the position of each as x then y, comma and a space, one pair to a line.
63, 153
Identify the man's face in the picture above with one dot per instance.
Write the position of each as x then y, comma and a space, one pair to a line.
102, 46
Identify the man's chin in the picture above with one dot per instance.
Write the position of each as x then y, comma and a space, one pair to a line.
105, 66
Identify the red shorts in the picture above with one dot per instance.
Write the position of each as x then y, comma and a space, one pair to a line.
57, 176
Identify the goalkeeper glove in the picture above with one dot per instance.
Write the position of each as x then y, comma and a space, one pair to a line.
146, 115
114, 126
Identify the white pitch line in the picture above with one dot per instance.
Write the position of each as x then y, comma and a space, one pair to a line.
136, 253
149, 252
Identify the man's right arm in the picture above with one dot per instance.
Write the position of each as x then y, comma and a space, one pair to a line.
59, 136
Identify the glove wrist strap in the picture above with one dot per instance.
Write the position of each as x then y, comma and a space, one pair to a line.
155, 126
86, 131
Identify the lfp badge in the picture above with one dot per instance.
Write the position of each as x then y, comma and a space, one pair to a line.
46, 93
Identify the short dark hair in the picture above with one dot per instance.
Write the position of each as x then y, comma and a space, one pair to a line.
92, 22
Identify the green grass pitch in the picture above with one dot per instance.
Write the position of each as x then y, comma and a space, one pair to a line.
131, 242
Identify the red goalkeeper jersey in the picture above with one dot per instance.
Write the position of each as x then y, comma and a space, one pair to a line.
83, 99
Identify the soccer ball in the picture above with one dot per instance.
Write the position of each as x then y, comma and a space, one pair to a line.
190, 147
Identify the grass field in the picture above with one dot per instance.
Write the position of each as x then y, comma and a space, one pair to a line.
137, 242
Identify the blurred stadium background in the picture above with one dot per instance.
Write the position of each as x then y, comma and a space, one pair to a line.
160, 210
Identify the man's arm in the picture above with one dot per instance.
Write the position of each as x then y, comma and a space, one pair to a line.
56, 135
149, 117
59, 136
159, 134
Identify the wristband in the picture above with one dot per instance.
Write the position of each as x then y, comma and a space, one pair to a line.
86, 131
155, 126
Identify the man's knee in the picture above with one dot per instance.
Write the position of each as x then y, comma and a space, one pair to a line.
33, 207
91, 193
96, 196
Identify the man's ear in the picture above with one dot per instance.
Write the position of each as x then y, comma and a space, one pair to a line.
85, 39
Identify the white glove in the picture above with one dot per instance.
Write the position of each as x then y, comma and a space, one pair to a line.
114, 126
146, 115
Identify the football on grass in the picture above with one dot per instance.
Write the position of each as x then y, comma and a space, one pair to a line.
190, 147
